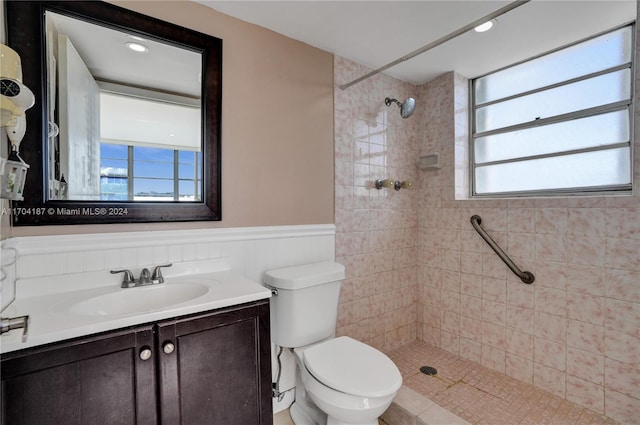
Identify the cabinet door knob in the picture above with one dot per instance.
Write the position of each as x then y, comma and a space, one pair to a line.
145, 353
168, 347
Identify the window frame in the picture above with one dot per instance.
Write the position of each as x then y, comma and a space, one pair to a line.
630, 104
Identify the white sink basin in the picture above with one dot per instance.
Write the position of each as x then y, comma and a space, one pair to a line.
139, 300
81, 304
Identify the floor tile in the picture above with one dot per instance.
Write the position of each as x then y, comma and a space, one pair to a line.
483, 396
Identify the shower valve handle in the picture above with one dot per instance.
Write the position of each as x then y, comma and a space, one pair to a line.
388, 183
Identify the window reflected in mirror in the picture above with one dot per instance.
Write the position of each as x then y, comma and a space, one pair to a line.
141, 173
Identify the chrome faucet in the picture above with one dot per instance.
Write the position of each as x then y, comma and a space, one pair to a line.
11, 323
146, 277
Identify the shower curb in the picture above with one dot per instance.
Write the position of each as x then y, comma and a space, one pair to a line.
412, 408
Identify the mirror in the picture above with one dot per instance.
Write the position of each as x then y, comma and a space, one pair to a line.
125, 136
127, 108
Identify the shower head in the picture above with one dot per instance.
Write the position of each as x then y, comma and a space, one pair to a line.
406, 108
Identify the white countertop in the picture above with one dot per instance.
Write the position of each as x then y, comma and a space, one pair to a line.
69, 313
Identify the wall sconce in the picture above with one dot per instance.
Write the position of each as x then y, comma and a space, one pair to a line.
388, 183
397, 185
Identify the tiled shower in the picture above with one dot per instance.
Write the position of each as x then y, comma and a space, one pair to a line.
416, 268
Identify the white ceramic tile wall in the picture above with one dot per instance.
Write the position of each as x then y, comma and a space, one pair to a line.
250, 250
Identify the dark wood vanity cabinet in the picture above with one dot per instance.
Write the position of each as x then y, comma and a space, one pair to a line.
216, 368
206, 369
95, 380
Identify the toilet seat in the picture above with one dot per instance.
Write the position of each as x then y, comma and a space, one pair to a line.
351, 367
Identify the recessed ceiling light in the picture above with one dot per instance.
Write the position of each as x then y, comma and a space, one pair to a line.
485, 27
137, 47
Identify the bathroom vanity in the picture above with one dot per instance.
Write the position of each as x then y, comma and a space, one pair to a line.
165, 368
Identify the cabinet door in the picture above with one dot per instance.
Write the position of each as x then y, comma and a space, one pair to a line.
219, 371
99, 380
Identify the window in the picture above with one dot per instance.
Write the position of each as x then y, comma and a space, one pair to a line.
149, 174
559, 123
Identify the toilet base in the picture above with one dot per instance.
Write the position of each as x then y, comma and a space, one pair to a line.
299, 416
304, 411
334, 421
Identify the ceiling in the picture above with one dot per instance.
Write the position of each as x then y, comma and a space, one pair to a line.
374, 33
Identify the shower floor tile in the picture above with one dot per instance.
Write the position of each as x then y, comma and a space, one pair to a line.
482, 396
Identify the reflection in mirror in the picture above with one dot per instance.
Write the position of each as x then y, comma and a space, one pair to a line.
124, 114
117, 135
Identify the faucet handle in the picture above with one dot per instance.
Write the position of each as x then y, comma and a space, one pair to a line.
157, 277
127, 280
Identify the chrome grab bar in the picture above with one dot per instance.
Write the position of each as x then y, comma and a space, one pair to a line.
526, 277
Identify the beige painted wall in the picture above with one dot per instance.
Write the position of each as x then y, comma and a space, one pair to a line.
277, 125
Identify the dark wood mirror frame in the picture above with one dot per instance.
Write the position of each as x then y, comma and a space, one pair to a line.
26, 35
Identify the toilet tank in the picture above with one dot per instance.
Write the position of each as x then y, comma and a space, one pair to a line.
305, 308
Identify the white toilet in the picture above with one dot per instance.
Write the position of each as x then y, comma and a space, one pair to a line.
340, 381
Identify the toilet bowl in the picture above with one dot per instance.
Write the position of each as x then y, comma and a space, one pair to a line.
351, 382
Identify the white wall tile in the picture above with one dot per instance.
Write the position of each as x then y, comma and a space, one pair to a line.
31, 266
93, 261
73, 262
53, 264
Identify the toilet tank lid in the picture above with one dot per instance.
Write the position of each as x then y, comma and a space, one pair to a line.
305, 275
